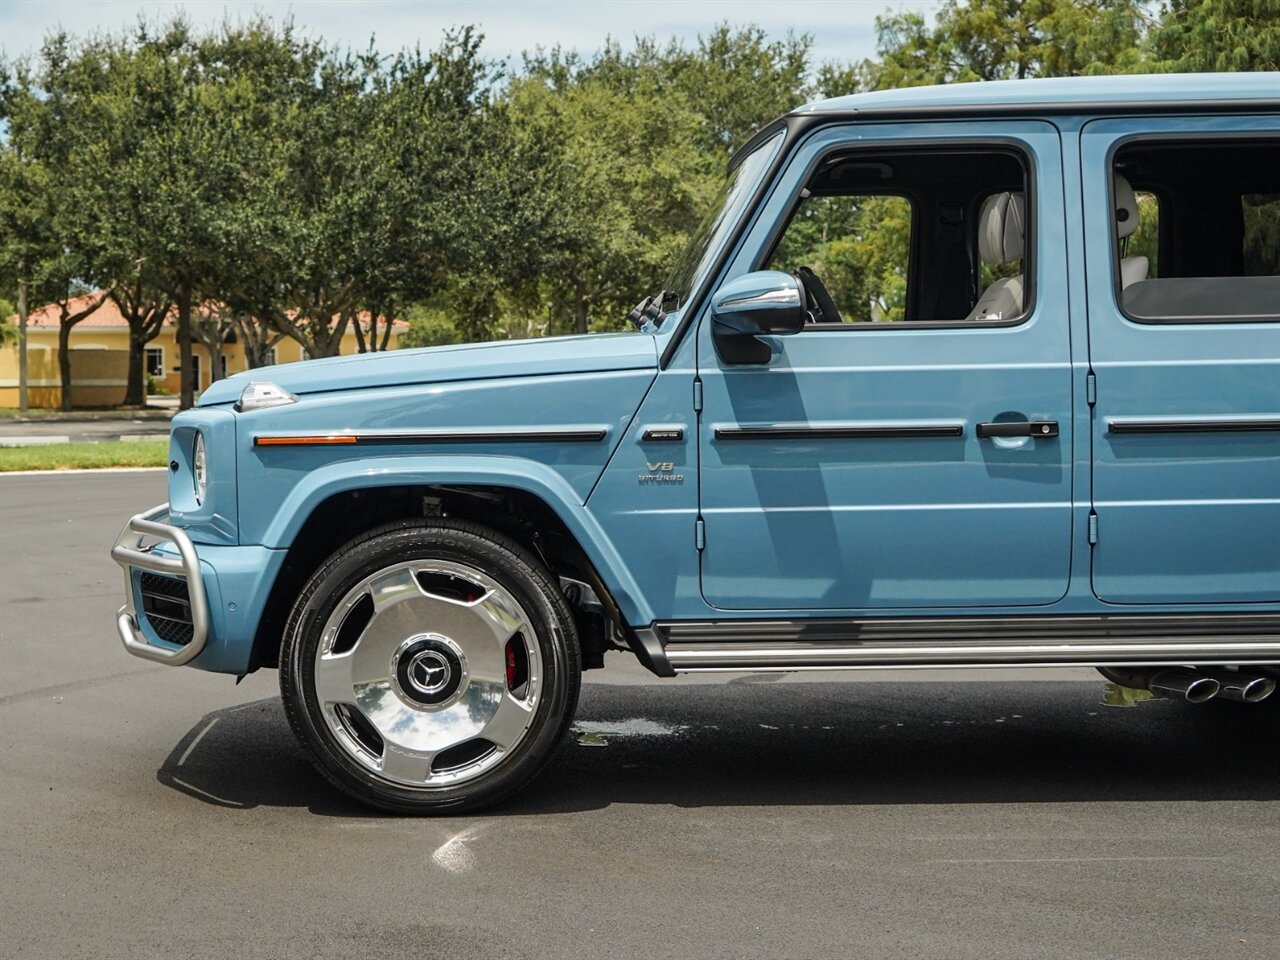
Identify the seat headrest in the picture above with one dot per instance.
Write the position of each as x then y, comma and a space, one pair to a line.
1002, 228
1126, 208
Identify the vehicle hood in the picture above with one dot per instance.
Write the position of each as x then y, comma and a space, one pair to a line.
471, 361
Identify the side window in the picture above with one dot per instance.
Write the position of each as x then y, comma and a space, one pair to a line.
939, 236
860, 246
1197, 230
1261, 212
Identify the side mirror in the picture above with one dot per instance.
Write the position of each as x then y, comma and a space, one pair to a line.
764, 303
767, 302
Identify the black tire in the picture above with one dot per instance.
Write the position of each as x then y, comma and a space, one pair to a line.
345, 760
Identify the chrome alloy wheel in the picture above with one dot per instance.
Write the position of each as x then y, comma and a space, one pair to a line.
428, 673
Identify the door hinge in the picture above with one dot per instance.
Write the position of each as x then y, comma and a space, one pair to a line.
699, 534
1091, 389
1093, 528
697, 396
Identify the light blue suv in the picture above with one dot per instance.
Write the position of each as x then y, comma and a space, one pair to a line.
1054, 439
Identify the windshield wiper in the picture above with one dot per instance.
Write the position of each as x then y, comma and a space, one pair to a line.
648, 314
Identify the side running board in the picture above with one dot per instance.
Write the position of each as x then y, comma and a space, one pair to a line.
686, 646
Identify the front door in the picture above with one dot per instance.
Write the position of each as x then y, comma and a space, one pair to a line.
912, 449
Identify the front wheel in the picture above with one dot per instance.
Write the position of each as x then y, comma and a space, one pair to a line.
430, 666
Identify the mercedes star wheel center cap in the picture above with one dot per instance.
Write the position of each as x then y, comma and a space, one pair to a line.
429, 670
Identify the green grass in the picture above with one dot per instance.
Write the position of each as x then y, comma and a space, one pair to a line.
77, 456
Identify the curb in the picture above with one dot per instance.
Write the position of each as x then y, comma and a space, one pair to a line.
33, 441
55, 439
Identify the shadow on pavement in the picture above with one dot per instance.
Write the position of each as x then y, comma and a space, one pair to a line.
752, 743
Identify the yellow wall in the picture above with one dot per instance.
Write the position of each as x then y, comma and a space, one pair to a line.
94, 380
98, 376
287, 351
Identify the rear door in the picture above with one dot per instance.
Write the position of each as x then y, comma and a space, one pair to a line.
1186, 425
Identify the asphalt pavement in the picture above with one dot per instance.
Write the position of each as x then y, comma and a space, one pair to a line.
24, 433
149, 812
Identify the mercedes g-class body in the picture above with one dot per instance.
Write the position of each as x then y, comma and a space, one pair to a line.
1046, 446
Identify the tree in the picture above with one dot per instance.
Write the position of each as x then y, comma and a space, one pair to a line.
736, 79
8, 331
997, 40
46, 108
145, 309
616, 187
257, 338
181, 174
1219, 35
436, 198
212, 325
119, 111
363, 180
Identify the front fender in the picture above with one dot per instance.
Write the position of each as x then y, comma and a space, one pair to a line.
512, 473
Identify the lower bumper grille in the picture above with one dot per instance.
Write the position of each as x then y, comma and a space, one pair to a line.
166, 606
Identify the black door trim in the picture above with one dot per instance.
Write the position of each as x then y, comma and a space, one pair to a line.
902, 431
1235, 425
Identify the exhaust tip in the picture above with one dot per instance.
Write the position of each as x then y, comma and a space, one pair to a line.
1201, 690
1191, 687
1249, 689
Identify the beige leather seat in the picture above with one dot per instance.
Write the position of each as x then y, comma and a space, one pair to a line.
1001, 239
1132, 269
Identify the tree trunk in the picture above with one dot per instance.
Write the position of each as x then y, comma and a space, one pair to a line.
215, 364
184, 349
361, 347
22, 337
64, 360
66, 321
580, 303
135, 393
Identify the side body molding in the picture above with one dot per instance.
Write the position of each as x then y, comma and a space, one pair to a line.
517, 473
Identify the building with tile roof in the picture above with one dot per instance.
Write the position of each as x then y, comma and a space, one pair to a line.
99, 346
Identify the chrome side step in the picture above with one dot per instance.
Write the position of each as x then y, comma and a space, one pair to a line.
684, 657
682, 647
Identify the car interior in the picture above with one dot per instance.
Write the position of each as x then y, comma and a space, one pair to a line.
1213, 250
942, 236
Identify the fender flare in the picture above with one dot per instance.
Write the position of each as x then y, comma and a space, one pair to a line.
514, 473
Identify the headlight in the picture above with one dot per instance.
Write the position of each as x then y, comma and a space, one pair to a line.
200, 469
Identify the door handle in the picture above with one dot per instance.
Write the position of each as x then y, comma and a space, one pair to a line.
1019, 428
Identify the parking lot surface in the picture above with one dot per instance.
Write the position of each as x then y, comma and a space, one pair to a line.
21, 433
152, 812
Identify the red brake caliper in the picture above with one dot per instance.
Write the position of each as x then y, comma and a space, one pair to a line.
511, 665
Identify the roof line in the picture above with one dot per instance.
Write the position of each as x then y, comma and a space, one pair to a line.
1040, 108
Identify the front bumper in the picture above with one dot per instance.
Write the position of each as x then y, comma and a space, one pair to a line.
136, 549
